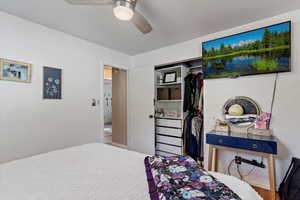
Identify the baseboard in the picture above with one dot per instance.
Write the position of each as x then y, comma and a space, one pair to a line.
265, 186
119, 145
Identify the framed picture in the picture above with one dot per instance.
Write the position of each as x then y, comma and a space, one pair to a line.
52, 84
11, 70
170, 77
260, 51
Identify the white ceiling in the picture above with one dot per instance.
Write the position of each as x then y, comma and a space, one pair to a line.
173, 20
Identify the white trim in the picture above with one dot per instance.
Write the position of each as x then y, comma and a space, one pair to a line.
102, 65
259, 184
101, 101
120, 145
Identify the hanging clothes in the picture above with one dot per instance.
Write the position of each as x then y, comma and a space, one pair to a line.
200, 105
189, 92
193, 123
189, 139
193, 140
192, 91
198, 90
196, 126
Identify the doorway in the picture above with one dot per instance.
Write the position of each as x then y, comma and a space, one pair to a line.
115, 106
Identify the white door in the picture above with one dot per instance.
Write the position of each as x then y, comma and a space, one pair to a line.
141, 135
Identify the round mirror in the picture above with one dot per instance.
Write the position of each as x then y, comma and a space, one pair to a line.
241, 111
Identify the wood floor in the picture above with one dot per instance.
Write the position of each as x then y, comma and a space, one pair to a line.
265, 194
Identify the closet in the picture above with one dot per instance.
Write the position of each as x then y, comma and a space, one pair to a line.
178, 109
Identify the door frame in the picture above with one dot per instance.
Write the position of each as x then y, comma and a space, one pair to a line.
101, 102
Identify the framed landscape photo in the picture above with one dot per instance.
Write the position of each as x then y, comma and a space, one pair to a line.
170, 77
11, 70
52, 84
260, 51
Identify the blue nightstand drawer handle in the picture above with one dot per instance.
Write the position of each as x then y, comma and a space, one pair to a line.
220, 141
254, 146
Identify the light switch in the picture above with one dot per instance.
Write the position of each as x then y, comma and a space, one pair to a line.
94, 102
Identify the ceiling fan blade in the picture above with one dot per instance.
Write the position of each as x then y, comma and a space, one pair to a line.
141, 23
90, 2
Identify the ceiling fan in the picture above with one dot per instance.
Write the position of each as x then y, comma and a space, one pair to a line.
123, 10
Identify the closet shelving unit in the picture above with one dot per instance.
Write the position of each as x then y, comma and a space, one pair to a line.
169, 128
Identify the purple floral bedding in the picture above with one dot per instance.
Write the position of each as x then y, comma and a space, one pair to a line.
180, 177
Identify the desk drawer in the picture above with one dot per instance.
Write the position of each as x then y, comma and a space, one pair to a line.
243, 143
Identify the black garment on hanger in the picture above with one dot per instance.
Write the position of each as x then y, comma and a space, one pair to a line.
192, 90
189, 92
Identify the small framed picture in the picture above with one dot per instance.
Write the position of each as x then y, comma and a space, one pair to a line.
11, 70
170, 77
52, 84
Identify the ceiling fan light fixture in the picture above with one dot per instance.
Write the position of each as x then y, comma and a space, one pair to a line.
124, 10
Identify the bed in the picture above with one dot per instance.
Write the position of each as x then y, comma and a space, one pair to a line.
88, 172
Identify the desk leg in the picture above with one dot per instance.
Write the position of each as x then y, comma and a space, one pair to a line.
214, 159
272, 180
210, 159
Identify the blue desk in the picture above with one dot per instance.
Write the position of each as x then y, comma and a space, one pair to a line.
243, 143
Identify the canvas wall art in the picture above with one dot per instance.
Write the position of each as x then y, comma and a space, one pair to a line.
52, 85
11, 70
260, 51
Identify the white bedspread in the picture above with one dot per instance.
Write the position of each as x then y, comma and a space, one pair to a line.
88, 172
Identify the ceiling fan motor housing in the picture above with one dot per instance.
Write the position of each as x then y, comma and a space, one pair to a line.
126, 3
123, 10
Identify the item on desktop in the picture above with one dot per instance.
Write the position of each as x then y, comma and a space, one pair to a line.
236, 110
260, 132
222, 126
245, 119
241, 112
263, 121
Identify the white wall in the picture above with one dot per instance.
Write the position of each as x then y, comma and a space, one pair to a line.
30, 125
286, 109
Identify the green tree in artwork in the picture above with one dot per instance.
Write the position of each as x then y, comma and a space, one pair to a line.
222, 47
270, 41
266, 41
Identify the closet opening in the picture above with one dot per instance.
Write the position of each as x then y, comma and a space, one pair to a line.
179, 109
115, 106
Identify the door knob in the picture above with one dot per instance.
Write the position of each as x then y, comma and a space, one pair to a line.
151, 116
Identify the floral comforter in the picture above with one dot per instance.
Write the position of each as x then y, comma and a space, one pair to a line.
180, 177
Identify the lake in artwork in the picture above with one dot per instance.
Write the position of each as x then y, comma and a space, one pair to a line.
264, 50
